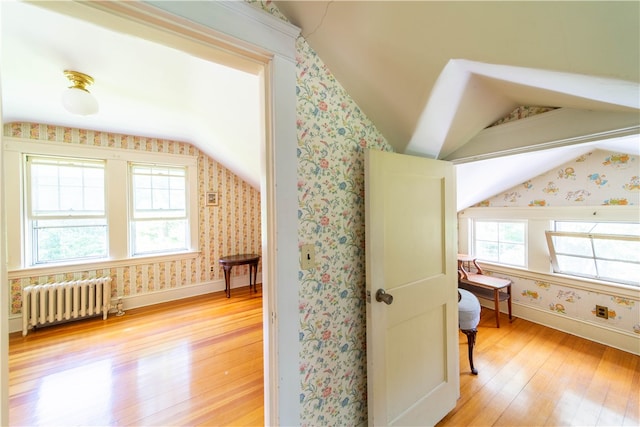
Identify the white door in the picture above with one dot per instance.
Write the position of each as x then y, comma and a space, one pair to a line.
412, 341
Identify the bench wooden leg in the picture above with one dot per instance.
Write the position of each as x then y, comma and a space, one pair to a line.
471, 342
509, 302
496, 303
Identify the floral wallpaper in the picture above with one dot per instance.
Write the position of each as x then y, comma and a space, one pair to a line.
522, 112
580, 304
332, 133
593, 179
332, 136
231, 227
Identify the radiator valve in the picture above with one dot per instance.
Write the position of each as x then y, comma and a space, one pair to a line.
119, 306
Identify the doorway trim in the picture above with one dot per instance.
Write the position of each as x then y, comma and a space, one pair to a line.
244, 37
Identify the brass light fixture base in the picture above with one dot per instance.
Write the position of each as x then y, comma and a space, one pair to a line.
79, 80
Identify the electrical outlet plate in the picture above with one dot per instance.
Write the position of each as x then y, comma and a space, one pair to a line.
307, 257
602, 311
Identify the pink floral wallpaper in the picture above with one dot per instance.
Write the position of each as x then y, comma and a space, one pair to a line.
231, 227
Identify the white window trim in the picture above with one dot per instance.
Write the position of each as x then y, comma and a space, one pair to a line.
593, 257
31, 218
117, 200
539, 220
132, 217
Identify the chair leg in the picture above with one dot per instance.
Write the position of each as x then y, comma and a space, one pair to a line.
471, 342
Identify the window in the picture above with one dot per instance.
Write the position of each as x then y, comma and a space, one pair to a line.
607, 251
158, 209
66, 209
96, 206
502, 242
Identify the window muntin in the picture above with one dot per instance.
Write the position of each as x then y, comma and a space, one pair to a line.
159, 221
607, 251
502, 242
66, 216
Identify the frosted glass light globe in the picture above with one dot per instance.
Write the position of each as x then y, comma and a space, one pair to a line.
79, 101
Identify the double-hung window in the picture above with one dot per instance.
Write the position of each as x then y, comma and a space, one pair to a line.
501, 242
158, 213
607, 251
96, 206
66, 214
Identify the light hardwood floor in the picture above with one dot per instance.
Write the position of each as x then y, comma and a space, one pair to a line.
530, 375
199, 362
196, 361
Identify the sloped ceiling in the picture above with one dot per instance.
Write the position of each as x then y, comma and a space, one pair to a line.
146, 84
433, 75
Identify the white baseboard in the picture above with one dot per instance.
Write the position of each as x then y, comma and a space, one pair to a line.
157, 297
591, 331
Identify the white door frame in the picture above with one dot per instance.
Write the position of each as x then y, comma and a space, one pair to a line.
233, 29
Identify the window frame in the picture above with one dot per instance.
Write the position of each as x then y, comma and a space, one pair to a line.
474, 240
539, 220
31, 217
553, 253
134, 220
117, 194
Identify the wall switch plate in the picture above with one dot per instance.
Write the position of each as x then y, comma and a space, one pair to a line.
307, 257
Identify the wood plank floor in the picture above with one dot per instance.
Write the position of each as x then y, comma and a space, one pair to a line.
197, 361
530, 375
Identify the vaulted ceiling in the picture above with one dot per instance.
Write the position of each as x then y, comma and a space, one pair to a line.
433, 76
430, 75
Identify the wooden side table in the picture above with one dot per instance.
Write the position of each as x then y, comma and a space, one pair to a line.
483, 286
228, 261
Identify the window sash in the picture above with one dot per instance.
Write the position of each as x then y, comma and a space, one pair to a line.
70, 239
609, 257
493, 241
117, 196
66, 209
158, 192
159, 235
64, 187
158, 214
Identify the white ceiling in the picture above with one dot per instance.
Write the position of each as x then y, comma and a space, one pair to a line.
433, 75
430, 75
143, 88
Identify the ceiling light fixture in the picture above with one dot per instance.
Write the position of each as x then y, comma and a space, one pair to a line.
76, 99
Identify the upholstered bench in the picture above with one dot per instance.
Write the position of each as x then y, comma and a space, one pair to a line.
468, 319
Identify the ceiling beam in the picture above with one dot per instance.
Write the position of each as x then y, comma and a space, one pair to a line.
557, 128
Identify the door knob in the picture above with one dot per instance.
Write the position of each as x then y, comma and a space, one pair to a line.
382, 296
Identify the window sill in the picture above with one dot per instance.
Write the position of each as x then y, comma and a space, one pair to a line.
621, 290
43, 270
